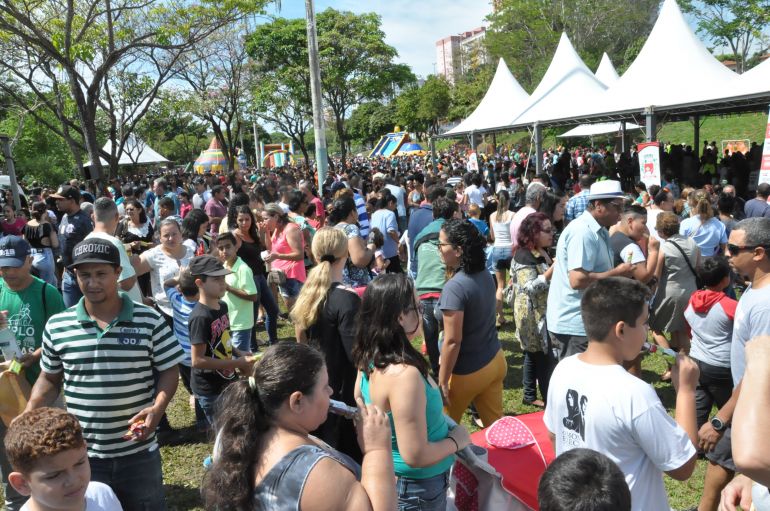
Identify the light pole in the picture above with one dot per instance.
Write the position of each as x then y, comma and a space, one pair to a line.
319, 130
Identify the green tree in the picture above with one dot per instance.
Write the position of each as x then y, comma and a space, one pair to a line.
435, 99
468, 91
78, 45
526, 32
356, 65
369, 121
282, 94
736, 24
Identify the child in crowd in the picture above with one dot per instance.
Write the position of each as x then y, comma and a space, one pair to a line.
474, 212
379, 263
594, 403
582, 479
710, 315
183, 295
48, 454
214, 367
241, 293
185, 206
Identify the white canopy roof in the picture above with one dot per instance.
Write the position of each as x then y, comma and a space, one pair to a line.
135, 152
756, 79
588, 130
606, 72
567, 83
694, 76
501, 103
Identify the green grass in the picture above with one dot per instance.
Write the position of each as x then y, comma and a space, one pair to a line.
183, 469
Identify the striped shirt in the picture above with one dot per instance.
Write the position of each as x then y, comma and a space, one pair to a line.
108, 374
182, 309
363, 217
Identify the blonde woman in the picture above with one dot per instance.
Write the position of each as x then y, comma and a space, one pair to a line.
703, 227
324, 315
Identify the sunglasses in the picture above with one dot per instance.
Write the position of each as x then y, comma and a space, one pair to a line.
736, 249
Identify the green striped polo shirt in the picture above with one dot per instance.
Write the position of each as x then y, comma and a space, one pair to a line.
108, 374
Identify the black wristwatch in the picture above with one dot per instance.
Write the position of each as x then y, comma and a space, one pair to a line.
717, 424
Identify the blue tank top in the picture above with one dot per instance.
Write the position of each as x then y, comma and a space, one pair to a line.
281, 488
437, 430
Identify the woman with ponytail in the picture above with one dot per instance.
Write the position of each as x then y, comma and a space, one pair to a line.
472, 365
324, 316
703, 226
267, 459
499, 260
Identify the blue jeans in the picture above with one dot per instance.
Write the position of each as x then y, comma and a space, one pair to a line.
241, 340
44, 264
69, 289
267, 300
430, 331
209, 406
537, 371
136, 479
422, 494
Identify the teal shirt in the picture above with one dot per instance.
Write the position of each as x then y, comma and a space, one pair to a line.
438, 430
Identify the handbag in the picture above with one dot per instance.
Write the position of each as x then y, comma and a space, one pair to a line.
14, 394
277, 277
698, 281
475, 485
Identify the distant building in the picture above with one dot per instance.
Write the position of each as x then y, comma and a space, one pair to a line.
458, 54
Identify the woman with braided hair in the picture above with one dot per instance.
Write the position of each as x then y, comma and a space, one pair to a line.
472, 365
325, 317
266, 458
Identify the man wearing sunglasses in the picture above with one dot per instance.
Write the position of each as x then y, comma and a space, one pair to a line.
748, 250
583, 255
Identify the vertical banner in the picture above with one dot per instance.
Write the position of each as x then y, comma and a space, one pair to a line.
649, 163
764, 170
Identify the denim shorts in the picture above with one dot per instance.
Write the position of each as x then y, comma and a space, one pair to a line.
291, 288
422, 494
499, 259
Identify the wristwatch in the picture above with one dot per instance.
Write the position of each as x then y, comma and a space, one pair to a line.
717, 424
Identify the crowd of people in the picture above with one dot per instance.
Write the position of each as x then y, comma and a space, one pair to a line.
397, 276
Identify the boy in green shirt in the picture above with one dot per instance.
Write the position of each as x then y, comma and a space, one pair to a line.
241, 293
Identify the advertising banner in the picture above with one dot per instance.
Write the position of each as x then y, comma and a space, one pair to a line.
649, 163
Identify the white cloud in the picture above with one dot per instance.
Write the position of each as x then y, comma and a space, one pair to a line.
411, 27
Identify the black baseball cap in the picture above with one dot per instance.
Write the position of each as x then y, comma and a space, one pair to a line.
14, 251
67, 192
95, 250
207, 265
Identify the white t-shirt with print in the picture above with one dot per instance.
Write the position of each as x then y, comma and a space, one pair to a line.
606, 409
99, 497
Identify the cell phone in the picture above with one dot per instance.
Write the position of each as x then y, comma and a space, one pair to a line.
343, 409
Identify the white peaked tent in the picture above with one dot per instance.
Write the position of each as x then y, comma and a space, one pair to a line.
135, 152
606, 74
695, 75
501, 103
566, 84
756, 79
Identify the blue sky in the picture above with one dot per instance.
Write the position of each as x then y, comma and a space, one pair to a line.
411, 27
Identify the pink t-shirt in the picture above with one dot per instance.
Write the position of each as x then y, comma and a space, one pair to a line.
320, 212
516, 223
292, 269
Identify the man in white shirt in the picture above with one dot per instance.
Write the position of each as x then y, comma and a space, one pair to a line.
594, 403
